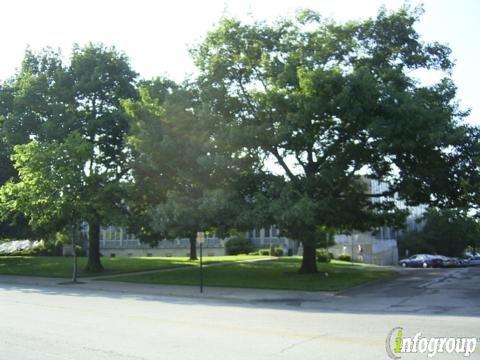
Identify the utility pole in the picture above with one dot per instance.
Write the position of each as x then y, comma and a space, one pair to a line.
200, 241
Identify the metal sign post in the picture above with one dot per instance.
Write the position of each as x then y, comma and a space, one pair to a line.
200, 240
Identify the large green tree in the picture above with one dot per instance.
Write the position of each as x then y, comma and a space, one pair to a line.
25, 113
102, 78
333, 106
183, 185
50, 100
52, 186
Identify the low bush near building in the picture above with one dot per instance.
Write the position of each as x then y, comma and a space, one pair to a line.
344, 258
278, 252
238, 246
323, 256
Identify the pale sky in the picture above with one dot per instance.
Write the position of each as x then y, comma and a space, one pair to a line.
156, 35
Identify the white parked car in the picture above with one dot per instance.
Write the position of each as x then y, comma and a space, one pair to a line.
474, 260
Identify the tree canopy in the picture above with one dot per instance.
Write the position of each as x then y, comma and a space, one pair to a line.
334, 104
52, 108
445, 231
50, 183
183, 184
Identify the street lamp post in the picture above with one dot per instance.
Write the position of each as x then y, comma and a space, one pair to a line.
74, 253
200, 241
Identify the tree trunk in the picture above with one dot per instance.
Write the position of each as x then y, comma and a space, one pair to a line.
94, 264
193, 247
309, 261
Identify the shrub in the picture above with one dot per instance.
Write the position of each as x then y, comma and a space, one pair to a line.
238, 246
278, 252
28, 248
345, 258
323, 256
20, 253
264, 252
50, 248
254, 253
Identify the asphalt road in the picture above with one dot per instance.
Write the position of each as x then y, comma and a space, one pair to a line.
46, 323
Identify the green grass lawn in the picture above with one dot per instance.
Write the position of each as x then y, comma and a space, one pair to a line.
62, 266
271, 274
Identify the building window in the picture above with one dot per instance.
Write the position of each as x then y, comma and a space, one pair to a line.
275, 231
267, 232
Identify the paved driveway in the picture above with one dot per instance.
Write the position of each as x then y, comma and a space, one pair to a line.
418, 291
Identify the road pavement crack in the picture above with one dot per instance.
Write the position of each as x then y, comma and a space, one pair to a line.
115, 354
294, 345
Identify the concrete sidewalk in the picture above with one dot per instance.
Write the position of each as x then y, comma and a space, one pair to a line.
214, 293
102, 283
452, 292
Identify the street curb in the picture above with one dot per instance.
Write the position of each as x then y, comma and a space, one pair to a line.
243, 295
